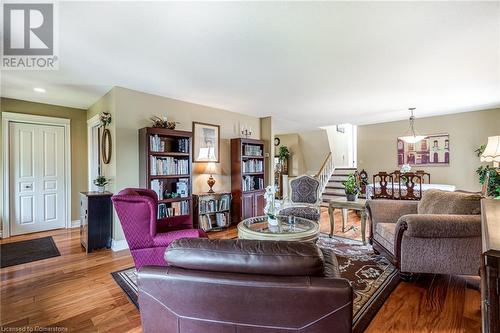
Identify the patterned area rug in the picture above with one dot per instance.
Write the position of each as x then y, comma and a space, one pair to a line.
372, 277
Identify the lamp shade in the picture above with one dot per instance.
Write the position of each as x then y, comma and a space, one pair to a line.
210, 169
492, 151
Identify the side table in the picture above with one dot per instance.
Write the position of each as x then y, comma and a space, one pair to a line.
342, 203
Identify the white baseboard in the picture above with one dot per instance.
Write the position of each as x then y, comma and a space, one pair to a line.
119, 245
75, 224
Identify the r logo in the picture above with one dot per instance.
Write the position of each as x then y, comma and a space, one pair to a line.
28, 29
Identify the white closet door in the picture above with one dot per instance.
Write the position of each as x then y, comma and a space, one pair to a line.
36, 178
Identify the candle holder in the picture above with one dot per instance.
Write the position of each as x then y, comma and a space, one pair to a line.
246, 133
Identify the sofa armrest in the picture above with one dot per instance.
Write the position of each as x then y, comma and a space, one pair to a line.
440, 226
389, 211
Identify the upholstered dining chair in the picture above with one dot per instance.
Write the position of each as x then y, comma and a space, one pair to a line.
304, 199
146, 236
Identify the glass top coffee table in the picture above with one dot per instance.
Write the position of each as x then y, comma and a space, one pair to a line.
288, 229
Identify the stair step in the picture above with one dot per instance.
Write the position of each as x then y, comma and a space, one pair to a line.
338, 178
340, 192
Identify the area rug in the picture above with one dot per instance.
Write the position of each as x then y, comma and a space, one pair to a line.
372, 277
27, 251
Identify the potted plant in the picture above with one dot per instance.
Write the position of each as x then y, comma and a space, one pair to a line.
101, 183
351, 187
283, 155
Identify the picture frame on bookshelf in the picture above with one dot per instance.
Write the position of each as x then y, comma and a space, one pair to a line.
206, 142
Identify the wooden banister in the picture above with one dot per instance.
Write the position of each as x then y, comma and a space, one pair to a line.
325, 172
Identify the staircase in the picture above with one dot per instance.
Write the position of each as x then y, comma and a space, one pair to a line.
334, 187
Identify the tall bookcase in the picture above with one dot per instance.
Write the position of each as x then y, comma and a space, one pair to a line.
247, 178
165, 167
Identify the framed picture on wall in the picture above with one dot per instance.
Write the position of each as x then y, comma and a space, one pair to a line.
433, 150
206, 142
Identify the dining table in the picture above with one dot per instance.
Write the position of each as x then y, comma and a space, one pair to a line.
425, 187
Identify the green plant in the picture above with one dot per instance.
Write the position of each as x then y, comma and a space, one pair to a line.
283, 153
480, 150
493, 188
101, 181
351, 184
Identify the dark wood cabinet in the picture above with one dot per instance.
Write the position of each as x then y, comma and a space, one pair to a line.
96, 220
247, 178
212, 211
490, 265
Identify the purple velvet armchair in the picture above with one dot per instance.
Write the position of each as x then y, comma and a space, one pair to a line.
146, 236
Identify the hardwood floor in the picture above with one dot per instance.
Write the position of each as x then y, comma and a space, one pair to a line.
76, 293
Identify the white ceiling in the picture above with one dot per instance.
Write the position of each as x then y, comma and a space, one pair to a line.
307, 64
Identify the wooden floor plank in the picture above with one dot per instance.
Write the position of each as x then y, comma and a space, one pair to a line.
76, 291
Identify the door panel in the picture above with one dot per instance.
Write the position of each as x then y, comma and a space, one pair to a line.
37, 179
260, 203
247, 205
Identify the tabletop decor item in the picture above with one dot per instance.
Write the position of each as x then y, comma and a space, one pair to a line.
211, 181
206, 142
351, 187
404, 169
163, 122
489, 176
270, 209
101, 183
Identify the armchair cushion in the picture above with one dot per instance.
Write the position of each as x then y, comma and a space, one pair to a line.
444, 202
389, 211
246, 256
310, 213
385, 235
441, 226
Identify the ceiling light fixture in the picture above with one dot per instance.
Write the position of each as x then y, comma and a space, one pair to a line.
39, 90
411, 136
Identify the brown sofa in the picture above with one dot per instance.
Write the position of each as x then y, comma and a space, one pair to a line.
439, 234
245, 286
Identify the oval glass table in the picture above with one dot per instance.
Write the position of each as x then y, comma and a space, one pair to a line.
289, 228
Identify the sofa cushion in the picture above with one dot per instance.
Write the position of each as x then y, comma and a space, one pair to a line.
246, 256
444, 202
385, 235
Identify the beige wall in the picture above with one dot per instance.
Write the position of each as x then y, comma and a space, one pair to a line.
377, 145
132, 110
308, 150
78, 128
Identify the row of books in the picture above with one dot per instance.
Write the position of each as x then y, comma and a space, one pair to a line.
253, 166
168, 166
214, 205
161, 188
251, 183
218, 220
175, 209
160, 144
252, 150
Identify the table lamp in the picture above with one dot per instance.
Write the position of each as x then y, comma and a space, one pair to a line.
211, 181
492, 151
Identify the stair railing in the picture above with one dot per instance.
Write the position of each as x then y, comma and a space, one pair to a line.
325, 172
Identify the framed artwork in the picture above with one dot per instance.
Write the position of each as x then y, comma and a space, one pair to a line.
206, 142
340, 129
433, 150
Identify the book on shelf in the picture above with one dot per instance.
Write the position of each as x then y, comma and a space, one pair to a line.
214, 205
252, 150
175, 209
253, 166
251, 183
218, 220
158, 144
160, 187
166, 166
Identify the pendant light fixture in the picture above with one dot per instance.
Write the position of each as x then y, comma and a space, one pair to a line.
411, 136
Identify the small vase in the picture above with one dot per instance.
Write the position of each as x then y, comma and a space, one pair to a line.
100, 189
352, 197
272, 220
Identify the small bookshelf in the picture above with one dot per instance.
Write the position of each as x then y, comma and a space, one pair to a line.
247, 178
212, 211
165, 167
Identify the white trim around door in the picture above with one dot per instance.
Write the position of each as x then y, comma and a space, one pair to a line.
8, 117
93, 160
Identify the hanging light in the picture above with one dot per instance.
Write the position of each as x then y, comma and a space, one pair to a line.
411, 136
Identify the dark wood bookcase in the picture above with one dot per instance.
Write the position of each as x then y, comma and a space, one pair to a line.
208, 209
172, 149
247, 178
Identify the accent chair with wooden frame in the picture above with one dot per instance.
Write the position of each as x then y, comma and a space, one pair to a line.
304, 199
412, 184
383, 179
